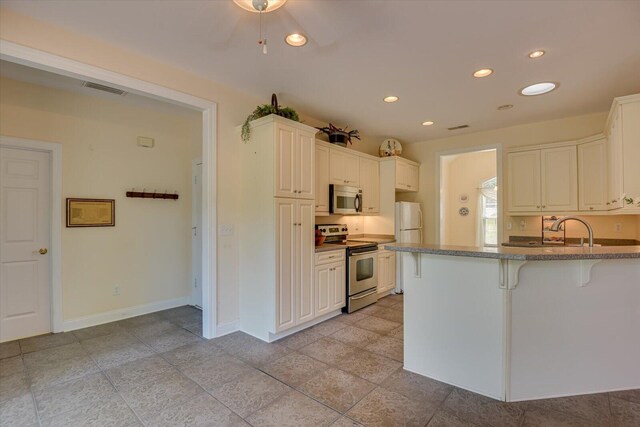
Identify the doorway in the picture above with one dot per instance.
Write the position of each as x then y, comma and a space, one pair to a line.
469, 205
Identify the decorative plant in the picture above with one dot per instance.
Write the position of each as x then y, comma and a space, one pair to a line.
264, 110
631, 200
340, 135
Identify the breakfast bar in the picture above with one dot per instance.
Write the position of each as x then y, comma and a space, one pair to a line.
523, 323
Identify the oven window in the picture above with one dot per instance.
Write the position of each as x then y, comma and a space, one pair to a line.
364, 269
345, 202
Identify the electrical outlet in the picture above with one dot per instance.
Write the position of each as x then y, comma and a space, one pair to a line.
225, 230
617, 227
509, 225
116, 291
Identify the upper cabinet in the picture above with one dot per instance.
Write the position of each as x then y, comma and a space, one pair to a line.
543, 180
592, 175
405, 173
623, 131
344, 168
294, 155
322, 180
370, 185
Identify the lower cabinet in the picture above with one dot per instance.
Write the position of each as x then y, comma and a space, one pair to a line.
329, 283
386, 271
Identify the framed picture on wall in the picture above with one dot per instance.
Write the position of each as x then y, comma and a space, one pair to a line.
91, 212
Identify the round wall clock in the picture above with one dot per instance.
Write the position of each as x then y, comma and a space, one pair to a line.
390, 147
463, 211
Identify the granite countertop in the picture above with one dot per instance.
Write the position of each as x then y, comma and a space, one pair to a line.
375, 238
524, 254
536, 242
326, 247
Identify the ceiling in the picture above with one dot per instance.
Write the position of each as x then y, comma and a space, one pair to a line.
44, 78
361, 51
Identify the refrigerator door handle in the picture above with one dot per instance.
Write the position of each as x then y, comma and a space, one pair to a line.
420, 226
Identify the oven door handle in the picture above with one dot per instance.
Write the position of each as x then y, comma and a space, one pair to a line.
365, 295
355, 254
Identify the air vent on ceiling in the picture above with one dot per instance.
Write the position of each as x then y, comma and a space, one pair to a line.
104, 88
458, 127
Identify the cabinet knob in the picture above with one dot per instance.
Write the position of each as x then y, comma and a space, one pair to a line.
590, 208
538, 207
544, 206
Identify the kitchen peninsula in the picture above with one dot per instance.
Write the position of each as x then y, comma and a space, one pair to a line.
523, 323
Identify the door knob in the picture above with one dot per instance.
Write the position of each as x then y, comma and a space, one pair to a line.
43, 251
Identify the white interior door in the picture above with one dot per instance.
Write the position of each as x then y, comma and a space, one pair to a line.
25, 274
196, 235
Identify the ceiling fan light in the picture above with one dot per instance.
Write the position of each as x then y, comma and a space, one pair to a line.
248, 5
296, 40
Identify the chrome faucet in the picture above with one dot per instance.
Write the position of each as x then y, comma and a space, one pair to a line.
556, 226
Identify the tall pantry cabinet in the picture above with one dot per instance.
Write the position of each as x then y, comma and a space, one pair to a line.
276, 232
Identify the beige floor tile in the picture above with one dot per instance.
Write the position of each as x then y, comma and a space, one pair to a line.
351, 318
112, 412
116, 349
74, 394
337, 389
590, 406
133, 322
294, 368
328, 327
535, 417
52, 356
355, 336
391, 315
140, 371
236, 342
147, 400
328, 351
390, 347
293, 410
630, 395
184, 356
43, 342
300, 339
56, 365
261, 353
250, 393
18, 412
385, 408
372, 309
444, 418
483, 410
216, 371
202, 410
417, 387
181, 311
98, 331
377, 324
170, 339
625, 413
9, 349
345, 422
386, 302
13, 386
11, 366
370, 366
397, 333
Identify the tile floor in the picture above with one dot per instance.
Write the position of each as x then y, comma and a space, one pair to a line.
156, 370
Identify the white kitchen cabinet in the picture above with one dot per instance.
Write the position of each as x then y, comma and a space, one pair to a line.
322, 180
543, 180
344, 168
294, 150
370, 185
592, 175
276, 245
329, 282
386, 272
623, 131
404, 173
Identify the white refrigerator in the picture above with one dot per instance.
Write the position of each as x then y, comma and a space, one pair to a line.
408, 227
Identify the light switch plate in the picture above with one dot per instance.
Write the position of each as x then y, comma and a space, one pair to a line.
225, 230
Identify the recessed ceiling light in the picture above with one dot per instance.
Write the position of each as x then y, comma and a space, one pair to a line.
390, 99
250, 5
296, 40
536, 54
538, 88
505, 107
483, 72
427, 123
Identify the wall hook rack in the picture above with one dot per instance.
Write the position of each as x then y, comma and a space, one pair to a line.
155, 195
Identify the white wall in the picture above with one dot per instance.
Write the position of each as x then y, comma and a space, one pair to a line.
464, 173
148, 253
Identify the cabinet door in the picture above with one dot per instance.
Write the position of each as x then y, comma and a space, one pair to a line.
523, 179
559, 179
305, 252
343, 168
413, 177
339, 290
353, 170
322, 284
286, 277
322, 179
614, 160
382, 270
402, 175
305, 164
370, 185
391, 271
592, 176
286, 160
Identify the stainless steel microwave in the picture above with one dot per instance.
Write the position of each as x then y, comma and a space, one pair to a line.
345, 200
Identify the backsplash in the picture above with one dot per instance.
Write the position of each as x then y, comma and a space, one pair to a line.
603, 226
355, 223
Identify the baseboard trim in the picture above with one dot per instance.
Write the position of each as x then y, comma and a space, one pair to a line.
227, 328
123, 313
